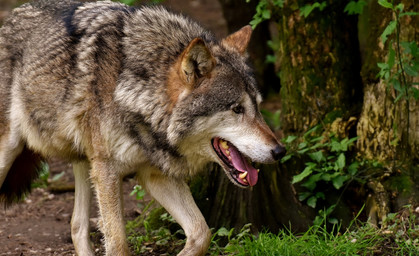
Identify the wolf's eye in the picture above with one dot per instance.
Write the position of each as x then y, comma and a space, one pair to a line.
238, 109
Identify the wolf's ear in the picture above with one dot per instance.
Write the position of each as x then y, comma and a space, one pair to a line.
197, 61
239, 40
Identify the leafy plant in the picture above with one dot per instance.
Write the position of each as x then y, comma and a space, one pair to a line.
327, 163
139, 194
157, 231
42, 181
355, 7
403, 57
308, 8
264, 10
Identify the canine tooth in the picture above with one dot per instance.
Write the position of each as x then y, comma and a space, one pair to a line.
243, 175
224, 144
227, 152
258, 170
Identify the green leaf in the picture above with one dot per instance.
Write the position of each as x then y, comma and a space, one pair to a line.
270, 58
335, 146
312, 130
58, 176
302, 145
307, 171
286, 158
396, 85
355, 7
289, 139
385, 4
353, 168
317, 156
320, 195
391, 56
341, 161
339, 180
325, 177
266, 14
222, 232
411, 71
388, 30
312, 201
304, 195
414, 92
311, 183
400, 7
409, 14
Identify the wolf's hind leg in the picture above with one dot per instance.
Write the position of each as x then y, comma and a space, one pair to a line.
10, 148
175, 196
80, 225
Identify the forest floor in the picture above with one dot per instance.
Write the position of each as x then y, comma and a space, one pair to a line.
40, 225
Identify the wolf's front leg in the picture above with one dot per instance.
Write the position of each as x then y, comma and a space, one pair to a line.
175, 196
80, 226
107, 183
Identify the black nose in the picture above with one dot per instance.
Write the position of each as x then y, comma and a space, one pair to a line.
278, 152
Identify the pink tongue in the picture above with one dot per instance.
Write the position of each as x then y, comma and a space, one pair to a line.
241, 164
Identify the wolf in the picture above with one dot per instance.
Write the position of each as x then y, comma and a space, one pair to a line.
118, 90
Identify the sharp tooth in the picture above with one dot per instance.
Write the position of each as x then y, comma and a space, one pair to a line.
227, 152
245, 181
224, 144
243, 175
258, 170
229, 158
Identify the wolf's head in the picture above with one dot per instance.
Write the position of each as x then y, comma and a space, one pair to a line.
215, 108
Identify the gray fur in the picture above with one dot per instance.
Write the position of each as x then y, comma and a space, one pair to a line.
116, 90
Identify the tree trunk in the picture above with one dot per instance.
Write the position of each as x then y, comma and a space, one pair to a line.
388, 131
319, 66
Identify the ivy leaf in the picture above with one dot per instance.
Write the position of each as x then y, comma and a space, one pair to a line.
388, 30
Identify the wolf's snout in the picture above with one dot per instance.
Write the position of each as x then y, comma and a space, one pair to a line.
278, 152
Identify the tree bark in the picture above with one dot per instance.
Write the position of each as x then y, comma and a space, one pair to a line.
319, 66
388, 130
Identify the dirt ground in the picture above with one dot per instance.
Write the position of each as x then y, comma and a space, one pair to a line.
41, 224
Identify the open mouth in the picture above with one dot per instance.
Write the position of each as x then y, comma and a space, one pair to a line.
239, 168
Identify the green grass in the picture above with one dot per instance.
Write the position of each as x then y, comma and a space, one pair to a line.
399, 236
316, 241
